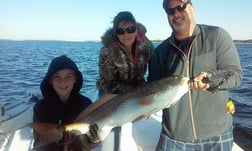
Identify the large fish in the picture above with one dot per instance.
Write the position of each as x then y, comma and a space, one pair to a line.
111, 110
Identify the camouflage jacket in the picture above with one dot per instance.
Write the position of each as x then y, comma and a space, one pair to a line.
118, 73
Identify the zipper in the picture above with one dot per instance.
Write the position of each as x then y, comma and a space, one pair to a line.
187, 58
190, 93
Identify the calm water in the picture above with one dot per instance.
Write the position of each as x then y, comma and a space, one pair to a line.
24, 63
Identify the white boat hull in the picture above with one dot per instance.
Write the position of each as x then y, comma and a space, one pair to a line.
21, 139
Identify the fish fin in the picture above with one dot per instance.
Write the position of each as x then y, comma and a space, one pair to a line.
103, 133
48, 133
145, 101
141, 117
94, 106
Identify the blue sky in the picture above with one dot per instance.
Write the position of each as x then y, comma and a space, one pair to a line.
80, 20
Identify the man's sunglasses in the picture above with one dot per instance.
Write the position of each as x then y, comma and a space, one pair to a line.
130, 29
180, 8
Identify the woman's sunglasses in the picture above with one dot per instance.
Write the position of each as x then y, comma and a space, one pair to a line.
130, 29
180, 8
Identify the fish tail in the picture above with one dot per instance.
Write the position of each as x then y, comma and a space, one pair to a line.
48, 133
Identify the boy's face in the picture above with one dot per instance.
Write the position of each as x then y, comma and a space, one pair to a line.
63, 82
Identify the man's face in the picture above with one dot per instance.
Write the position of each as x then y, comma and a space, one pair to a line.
180, 16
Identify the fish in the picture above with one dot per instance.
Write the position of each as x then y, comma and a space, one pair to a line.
113, 110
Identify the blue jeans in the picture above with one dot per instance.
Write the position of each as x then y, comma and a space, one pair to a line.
100, 93
111, 143
222, 142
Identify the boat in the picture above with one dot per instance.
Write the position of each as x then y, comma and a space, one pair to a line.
14, 135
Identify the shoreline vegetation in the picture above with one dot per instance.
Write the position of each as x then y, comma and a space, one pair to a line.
248, 41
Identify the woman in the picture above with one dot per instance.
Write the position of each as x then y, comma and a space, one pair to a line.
62, 103
123, 59
124, 56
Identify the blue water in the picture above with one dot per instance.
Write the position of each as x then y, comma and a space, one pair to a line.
24, 63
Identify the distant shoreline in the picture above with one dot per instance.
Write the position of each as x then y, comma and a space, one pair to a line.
249, 41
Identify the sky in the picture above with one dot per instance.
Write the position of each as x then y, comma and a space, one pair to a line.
85, 20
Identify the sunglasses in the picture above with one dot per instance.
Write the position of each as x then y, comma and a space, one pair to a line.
130, 30
180, 8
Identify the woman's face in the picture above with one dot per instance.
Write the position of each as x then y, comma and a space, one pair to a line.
63, 82
126, 33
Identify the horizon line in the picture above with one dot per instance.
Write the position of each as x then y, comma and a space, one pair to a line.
155, 40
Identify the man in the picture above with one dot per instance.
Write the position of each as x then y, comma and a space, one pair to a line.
199, 121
